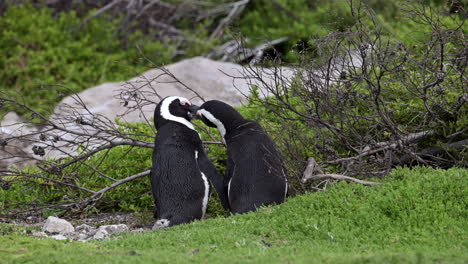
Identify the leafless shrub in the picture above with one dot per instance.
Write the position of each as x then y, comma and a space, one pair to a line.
70, 149
367, 102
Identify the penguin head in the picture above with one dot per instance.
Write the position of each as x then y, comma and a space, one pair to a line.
175, 109
218, 114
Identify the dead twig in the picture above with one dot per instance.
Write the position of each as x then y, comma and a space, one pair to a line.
258, 51
98, 12
312, 167
235, 50
97, 195
236, 10
339, 177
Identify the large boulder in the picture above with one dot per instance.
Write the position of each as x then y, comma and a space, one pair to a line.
191, 78
14, 150
210, 79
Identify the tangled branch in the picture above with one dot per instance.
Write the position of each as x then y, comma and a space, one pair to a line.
72, 148
367, 102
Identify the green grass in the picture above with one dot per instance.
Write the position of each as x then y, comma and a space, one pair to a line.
417, 216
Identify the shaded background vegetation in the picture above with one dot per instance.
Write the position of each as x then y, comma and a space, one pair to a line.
49, 44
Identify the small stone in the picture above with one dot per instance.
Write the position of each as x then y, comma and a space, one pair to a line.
38, 234
100, 234
82, 237
193, 252
84, 228
57, 225
132, 252
106, 230
115, 228
59, 237
138, 230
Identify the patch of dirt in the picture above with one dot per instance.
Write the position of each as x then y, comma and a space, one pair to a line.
133, 221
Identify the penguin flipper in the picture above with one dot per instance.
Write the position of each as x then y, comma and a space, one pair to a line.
210, 171
229, 171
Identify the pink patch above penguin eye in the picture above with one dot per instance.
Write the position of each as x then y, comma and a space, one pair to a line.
185, 102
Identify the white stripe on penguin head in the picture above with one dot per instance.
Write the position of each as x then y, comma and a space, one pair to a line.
217, 122
166, 114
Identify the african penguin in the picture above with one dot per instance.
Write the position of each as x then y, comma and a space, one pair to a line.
255, 174
181, 169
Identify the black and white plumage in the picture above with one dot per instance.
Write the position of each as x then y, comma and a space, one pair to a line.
255, 174
181, 169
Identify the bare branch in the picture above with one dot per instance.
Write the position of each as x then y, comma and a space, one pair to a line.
99, 12
339, 177
312, 166
97, 195
236, 10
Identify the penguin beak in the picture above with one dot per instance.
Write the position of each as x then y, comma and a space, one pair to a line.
193, 112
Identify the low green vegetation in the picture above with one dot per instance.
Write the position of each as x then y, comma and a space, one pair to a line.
118, 163
416, 216
40, 52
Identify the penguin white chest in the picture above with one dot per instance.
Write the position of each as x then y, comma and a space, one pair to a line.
207, 189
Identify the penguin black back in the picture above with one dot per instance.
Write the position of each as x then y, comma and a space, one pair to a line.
255, 175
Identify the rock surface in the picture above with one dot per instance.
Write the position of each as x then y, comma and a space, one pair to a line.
56, 225
207, 78
210, 79
107, 230
59, 237
14, 151
61, 229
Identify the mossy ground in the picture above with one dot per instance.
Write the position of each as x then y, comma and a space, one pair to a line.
417, 216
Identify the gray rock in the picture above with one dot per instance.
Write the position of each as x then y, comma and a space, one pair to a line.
59, 237
106, 230
84, 228
12, 125
139, 230
115, 228
39, 234
57, 225
82, 237
101, 234
210, 79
